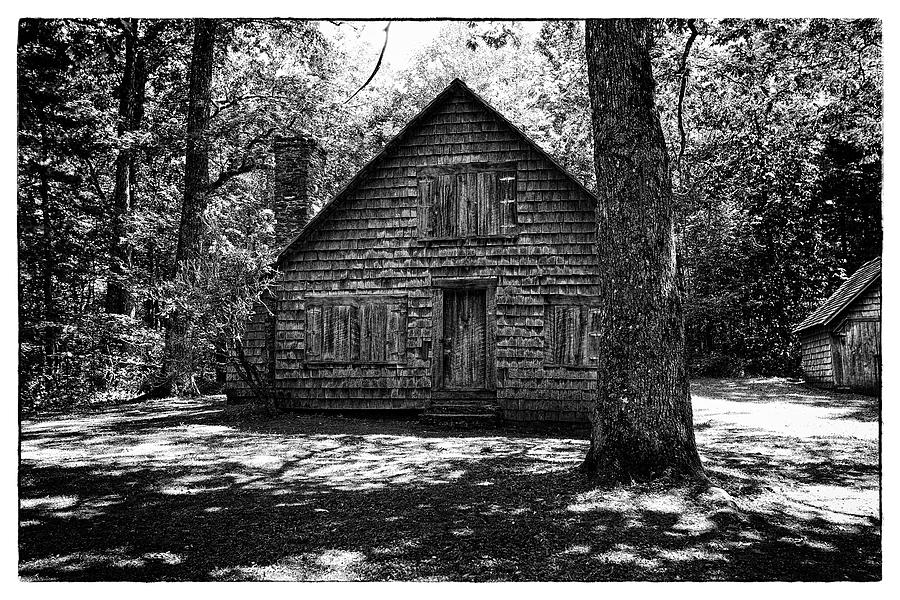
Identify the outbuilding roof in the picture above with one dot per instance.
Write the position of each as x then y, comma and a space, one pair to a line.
456, 84
849, 291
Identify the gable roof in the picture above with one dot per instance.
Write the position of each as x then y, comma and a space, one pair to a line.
430, 108
849, 291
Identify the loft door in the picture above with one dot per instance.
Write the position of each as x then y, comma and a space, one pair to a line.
464, 341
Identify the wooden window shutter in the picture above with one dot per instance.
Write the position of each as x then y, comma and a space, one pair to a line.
444, 216
340, 333
488, 207
466, 204
366, 318
395, 333
550, 341
328, 332
573, 335
373, 323
566, 335
313, 332
508, 212
591, 344
346, 333
426, 207
353, 327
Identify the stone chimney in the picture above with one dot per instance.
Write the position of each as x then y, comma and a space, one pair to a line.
299, 166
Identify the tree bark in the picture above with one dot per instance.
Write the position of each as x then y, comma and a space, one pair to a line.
47, 257
180, 357
196, 164
642, 424
131, 110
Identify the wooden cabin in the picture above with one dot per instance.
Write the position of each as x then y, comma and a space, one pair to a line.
456, 273
841, 340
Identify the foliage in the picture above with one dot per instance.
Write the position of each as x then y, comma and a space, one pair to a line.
65, 129
779, 188
68, 82
783, 117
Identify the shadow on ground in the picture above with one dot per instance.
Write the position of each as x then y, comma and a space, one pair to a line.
173, 491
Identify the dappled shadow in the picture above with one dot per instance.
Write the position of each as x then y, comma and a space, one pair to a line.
869, 411
182, 493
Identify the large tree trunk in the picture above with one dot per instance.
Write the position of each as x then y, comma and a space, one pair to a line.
642, 426
131, 109
180, 356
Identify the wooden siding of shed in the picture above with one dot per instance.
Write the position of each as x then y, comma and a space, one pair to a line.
867, 306
816, 359
370, 244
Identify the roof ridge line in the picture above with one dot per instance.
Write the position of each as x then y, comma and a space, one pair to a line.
823, 314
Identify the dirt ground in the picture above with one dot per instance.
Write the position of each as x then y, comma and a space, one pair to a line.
174, 490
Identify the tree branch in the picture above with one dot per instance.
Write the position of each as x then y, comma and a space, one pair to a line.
377, 65
127, 26
250, 374
225, 103
247, 164
683, 71
95, 181
340, 23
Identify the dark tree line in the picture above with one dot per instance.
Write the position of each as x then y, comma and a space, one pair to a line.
144, 227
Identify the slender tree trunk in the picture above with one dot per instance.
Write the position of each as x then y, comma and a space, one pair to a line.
131, 99
180, 357
642, 425
151, 305
49, 303
220, 357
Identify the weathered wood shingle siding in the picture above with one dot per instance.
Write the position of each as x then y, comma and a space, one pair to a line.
866, 306
816, 357
370, 244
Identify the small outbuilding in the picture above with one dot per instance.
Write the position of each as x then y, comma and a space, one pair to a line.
841, 340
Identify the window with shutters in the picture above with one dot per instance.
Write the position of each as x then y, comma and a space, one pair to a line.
467, 201
572, 334
356, 329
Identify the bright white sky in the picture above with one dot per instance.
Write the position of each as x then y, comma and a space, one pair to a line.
406, 38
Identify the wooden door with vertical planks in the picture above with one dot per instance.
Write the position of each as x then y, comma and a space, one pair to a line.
464, 340
857, 355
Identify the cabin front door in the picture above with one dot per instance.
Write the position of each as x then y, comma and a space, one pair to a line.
464, 340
